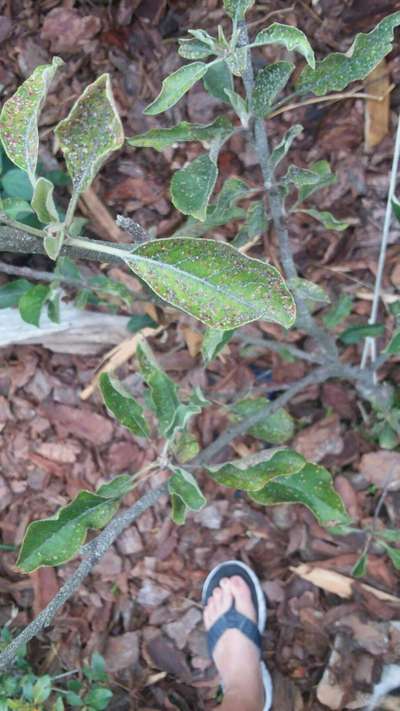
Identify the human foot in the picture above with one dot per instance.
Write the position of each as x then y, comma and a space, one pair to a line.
236, 657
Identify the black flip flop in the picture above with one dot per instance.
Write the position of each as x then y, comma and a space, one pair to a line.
232, 619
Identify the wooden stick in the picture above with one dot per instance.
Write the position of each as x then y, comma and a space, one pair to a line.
337, 583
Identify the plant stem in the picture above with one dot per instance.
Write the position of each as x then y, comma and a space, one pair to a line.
94, 551
275, 346
69, 215
304, 319
370, 350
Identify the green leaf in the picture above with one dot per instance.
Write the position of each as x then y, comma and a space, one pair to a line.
355, 334
217, 79
116, 488
277, 428
42, 689
67, 268
396, 208
240, 107
43, 201
391, 535
309, 290
256, 224
31, 303
255, 471
282, 148
163, 390
16, 184
300, 177
123, 406
214, 282
338, 70
175, 86
184, 485
238, 8
98, 668
98, 698
110, 287
394, 555
191, 187
179, 510
326, 178
339, 311
188, 409
214, 341
288, 36
329, 221
90, 133
360, 567
268, 84
11, 292
394, 345
55, 540
15, 208
20, 115
388, 438
223, 210
53, 239
138, 322
161, 138
312, 487
53, 307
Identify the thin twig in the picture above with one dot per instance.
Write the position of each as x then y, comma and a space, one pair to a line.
370, 349
353, 94
267, 344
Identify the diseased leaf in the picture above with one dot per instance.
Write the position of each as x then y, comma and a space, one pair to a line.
223, 210
282, 148
312, 487
185, 446
268, 84
214, 282
329, 221
338, 70
53, 239
90, 133
55, 540
393, 346
163, 391
184, 485
389, 534
326, 178
290, 37
252, 473
175, 86
31, 303
309, 290
217, 79
123, 406
20, 115
198, 47
276, 428
339, 311
161, 138
116, 488
214, 341
179, 510
43, 201
300, 177
237, 61
186, 410
191, 187
256, 224
355, 334
11, 292
238, 8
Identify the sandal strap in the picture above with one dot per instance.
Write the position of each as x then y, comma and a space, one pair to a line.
232, 619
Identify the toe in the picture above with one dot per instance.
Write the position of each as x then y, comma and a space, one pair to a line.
242, 597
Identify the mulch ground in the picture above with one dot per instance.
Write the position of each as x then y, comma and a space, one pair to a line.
141, 605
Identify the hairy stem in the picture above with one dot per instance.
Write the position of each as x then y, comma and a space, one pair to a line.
305, 320
93, 552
